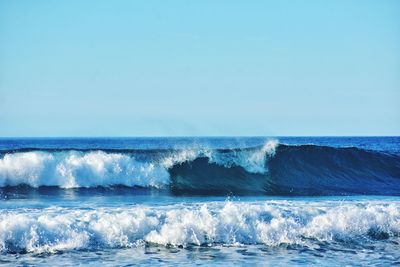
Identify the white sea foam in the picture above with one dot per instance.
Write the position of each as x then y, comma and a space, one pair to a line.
269, 223
70, 169
78, 169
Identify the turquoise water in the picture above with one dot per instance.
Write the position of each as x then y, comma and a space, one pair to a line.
295, 201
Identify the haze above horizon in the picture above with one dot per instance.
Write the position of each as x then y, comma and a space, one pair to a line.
199, 68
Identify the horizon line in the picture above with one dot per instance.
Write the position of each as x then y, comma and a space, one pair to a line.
193, 136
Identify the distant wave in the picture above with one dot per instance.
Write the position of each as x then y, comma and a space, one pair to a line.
272, 224
272, 169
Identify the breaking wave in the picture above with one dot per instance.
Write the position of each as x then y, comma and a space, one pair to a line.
271, 169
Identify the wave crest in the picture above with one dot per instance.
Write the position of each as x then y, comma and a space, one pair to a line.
71, 169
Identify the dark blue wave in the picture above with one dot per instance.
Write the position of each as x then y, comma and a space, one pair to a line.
303, 170
295, 171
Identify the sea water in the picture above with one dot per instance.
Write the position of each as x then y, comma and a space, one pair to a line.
330, 201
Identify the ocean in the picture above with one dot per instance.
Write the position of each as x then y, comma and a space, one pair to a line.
324, 201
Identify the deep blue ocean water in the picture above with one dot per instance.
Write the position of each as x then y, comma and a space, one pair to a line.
325, 201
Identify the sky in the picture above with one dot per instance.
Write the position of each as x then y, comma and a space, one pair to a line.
199, 68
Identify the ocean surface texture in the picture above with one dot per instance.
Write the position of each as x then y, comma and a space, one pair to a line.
329, 201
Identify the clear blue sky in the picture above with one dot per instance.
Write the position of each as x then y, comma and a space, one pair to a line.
129, 68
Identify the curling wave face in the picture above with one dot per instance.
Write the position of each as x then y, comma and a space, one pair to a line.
269, 223
71, 169
271, 169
